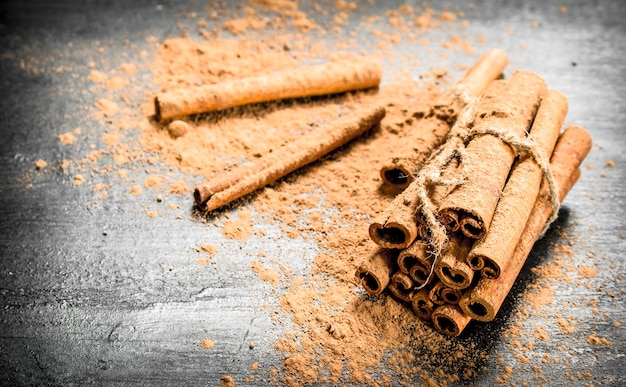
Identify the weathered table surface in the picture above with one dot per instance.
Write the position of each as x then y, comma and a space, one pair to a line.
80, 307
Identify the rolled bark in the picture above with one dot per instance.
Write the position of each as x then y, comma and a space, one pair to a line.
416, 261
374, 274
314, 80
450, 320
488, 159
451, 267
492, 253
441, 294
249, 177
421, 304
483, 301
401, 286
399, 172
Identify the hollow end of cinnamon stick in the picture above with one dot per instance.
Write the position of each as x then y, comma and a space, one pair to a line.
200, 195
449, 219
392, 235
374, 274
422, 306
396, 176
371, 282
449, 320
451, 296
420, 273
471, 227
401, 286
477, 308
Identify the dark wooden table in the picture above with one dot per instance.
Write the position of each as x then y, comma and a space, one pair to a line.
130, 307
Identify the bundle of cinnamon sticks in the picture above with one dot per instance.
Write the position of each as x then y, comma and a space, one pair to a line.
453, 242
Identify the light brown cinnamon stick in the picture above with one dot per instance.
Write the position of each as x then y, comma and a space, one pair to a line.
451, 267
416, 261
492, 253
374, 273
422, 305
306, 81
400, 223
442, 294
400, 170
401, 286
483, 301
488, 159
215, 193
450, 320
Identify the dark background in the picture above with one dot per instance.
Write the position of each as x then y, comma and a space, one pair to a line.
130, 307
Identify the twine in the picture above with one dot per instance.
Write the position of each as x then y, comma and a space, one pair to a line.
454, 147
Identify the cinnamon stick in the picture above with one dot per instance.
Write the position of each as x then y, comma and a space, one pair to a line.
488, 159
442, 294
215, 193
401, 286
416, 261
451, 267
314, 80
450, 319
374, 273
400, 223
422, 305
483, 301
400, 170
493, 252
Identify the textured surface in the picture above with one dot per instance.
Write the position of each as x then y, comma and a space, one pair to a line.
80, 307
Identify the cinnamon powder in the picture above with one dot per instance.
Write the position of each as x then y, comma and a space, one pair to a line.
341, 335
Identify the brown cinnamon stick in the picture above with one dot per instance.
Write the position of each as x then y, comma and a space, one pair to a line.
450, 319
401, 286
400, 170
492, 253
483, 301
416, 261
306, 81
422, 305
374, 273
451, 267
215, 193
400, 224
488, 159
442, 294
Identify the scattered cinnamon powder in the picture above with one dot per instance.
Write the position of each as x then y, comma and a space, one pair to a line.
67, 138
266, 274
227, 381
40, 164
207, 343
335, 334
587, 272
239, 229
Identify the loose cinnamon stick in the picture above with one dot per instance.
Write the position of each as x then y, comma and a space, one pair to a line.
483, 301
400, 170
416, 261
450, 320
401, 286
422, 305
306, 81
374, 273
308, 148
451, 267
493, 252
488, 159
